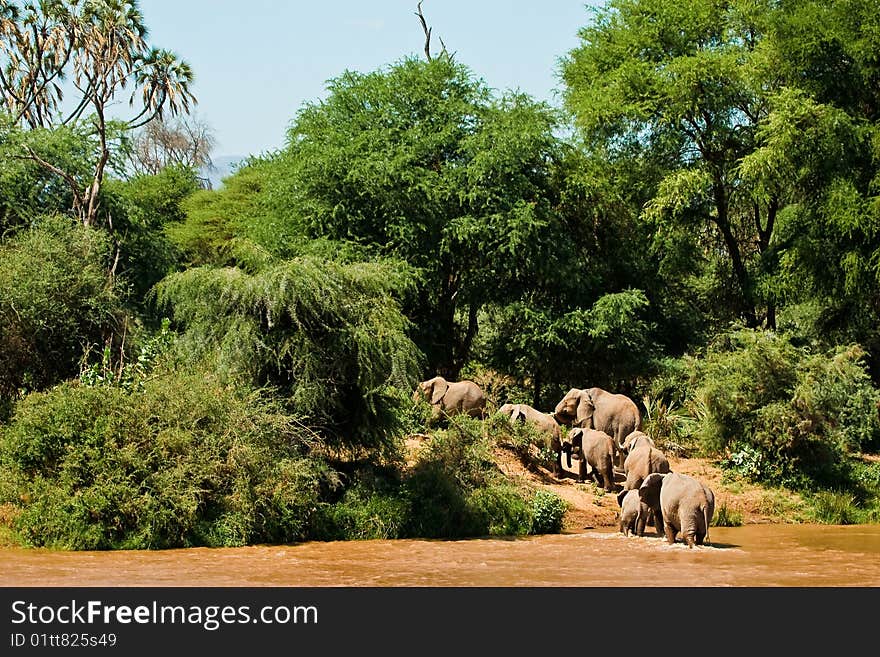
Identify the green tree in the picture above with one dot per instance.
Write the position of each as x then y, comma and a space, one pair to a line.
328, 337
683, 85
419, 161
56, 302
100, 46
820, 145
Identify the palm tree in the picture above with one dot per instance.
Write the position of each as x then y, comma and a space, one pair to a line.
104, 42
164, 80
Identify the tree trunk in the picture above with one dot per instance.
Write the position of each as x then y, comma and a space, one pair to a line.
739, 269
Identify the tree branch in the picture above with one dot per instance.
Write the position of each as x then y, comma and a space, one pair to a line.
70, 180
426, 29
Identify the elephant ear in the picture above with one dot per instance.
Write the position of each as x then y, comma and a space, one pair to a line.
628, 441
584, 410
519, 413
439, 388
649, 491
620, 497
576, 437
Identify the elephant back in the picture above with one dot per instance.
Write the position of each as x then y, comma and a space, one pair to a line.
657, 461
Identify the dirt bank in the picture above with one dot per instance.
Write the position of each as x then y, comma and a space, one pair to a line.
591, 506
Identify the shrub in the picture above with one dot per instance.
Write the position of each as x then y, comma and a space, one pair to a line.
780, 414
56, 299
456, 490
727, 517
835, 508
363, 513
548, 512
183, 461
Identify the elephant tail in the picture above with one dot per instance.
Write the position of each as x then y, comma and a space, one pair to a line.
706, 519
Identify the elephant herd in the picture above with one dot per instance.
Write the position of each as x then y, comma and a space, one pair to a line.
604, 429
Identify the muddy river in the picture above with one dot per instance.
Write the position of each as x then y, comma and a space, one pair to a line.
754, 555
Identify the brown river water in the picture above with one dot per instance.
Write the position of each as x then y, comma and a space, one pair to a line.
749, 556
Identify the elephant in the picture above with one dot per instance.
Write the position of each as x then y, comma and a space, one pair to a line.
635, 439
629, 502
594, 408
685, 504
451, 398
544, 422
642, 461
633, 513
595, 450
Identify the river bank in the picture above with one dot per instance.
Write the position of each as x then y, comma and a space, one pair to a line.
591, 507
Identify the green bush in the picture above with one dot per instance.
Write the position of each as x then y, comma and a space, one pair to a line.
363, 513
456, 490
56, 300
780, 414
182, 461
548, 511
727, 517
329, 337
835, 508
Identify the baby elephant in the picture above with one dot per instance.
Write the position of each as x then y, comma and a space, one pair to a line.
635, 514
631, 522
687, 505
596, 450
547, 424
636, 439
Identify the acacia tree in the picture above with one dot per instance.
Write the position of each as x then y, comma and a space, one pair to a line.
420, 162
98, 47
820, 143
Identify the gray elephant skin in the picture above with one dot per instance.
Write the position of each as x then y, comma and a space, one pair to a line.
642, 460
594, 408
686, 504
635, 439
544, 422
451, 398
633, 513
594, 449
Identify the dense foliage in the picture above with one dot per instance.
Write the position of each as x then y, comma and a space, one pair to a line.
56, 301
329, 337
781, 413
184, 460
697, 227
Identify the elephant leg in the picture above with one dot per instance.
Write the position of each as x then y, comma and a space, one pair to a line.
582, 470
658, 521
608, 483
670, 533
640, 525
557, 466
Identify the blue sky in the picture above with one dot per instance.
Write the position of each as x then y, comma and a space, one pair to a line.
257, 61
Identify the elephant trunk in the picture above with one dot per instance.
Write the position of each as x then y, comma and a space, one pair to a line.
566, 447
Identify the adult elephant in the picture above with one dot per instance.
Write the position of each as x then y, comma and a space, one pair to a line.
451, 398
595, 450
594, 408
544, 422
642, 460
686, 505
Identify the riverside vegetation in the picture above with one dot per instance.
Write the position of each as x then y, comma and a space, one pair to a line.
697, 227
